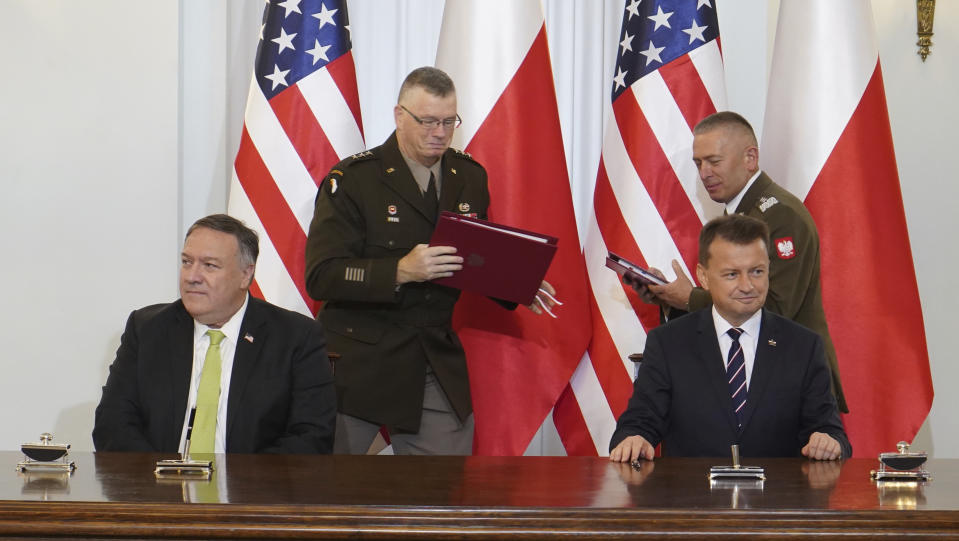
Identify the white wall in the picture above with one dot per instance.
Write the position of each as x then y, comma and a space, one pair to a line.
107, 125
89, 201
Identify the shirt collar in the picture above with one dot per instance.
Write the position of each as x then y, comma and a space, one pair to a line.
421, 173
731, 206
230, 329
750, 327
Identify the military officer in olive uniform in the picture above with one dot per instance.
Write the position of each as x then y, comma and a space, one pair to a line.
727, 155
367, 256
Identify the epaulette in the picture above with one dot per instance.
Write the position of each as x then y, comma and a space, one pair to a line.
359, 156
460, 154
765, 202
335, 176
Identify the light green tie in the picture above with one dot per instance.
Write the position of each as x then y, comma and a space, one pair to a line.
208, 398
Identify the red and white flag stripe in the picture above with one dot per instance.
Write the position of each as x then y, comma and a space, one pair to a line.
827, 139
520, 363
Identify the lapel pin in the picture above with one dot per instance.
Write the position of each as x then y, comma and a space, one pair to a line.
452, 170
390, 170
771, 342
248, 337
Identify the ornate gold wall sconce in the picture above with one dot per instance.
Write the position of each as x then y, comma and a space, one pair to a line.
925, 12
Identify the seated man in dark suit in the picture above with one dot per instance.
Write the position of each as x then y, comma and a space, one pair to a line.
250, 376
735, 373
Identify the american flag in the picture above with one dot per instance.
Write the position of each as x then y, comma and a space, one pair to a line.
648, 203
302, 117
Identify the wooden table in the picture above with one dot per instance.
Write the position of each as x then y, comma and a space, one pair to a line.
385, 497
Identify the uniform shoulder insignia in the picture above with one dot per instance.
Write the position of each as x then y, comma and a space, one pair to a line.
461, 153
766, 202
465, 155
360, 156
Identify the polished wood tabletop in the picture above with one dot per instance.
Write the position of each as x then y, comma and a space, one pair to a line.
388, 497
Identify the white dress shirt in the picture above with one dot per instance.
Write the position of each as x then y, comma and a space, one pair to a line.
749, 339
201, 342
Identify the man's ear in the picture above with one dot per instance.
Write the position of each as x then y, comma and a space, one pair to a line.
751, 156
701, 275
248, 275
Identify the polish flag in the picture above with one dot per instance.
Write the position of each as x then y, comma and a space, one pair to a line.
827, 140
519, 363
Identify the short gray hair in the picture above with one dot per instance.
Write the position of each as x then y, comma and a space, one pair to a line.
246, 238
726, 119
433, 80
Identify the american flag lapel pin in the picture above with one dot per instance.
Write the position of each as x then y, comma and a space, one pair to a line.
248, 337
771, 342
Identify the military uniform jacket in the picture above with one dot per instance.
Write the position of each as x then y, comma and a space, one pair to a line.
795, 291
370, 213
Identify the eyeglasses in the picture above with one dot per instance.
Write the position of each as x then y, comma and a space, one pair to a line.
432, 123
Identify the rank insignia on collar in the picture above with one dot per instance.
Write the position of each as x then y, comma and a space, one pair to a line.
452, 170
390, 170
464, 207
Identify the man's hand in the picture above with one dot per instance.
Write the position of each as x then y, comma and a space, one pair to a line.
822, 447
675, 293
632, 448
642, 288
545, 299
426, 262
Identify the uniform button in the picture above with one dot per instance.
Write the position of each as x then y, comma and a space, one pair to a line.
427, 296
391, 244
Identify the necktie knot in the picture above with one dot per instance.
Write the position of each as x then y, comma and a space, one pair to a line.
735, 333
215, 337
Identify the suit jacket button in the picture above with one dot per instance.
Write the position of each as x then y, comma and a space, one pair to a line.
391, 244
427, 296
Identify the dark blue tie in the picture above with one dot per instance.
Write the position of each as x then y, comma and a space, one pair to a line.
736, 374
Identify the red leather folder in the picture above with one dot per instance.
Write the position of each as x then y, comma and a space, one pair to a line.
498, 261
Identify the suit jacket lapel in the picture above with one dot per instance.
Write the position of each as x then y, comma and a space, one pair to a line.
711, 358
396, 174
763, 366
253, 334
180, 358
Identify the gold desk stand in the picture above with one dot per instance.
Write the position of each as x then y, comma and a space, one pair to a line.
901, 466
184, 468
737, 471
46, 456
